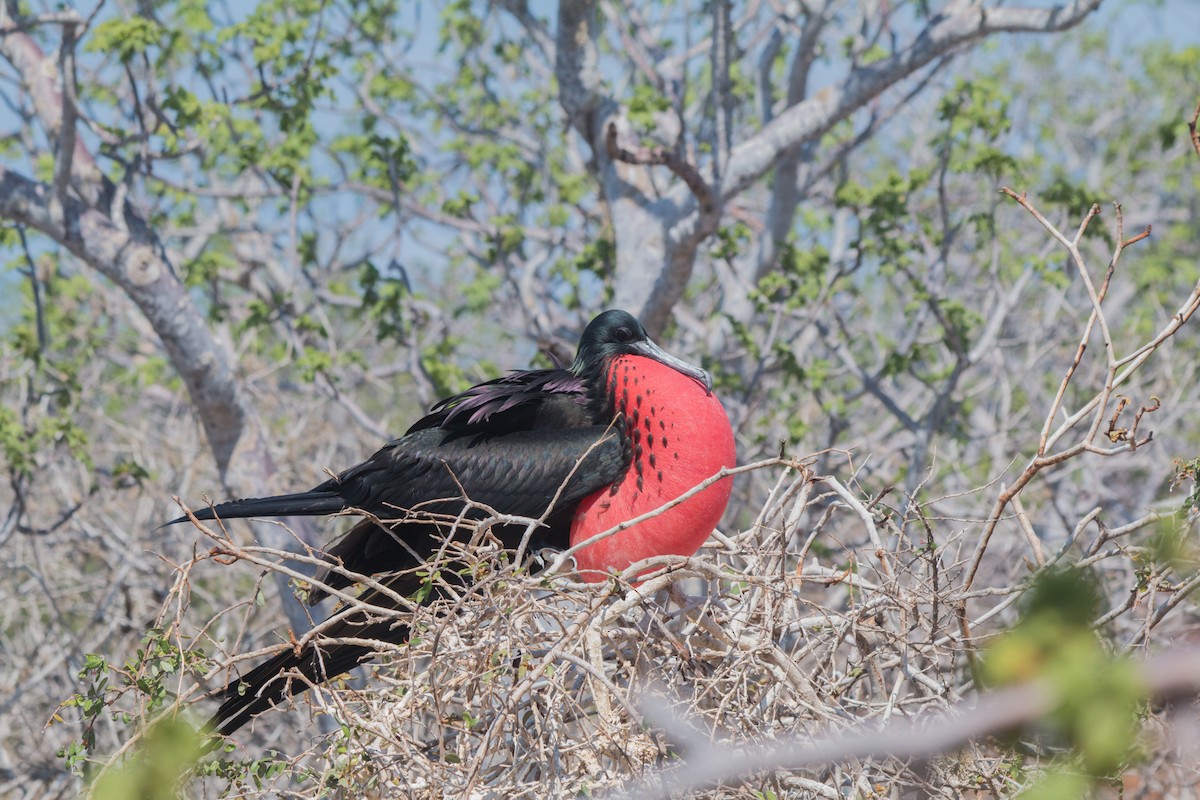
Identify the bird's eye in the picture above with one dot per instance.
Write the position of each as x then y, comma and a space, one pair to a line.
623, 334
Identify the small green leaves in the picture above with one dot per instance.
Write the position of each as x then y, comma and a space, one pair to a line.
799, 279
312, 362
188, 109
508, 237
1073, 196
461, 25
643, 105
125, 37
386, 162
91, 703
169, 750
1098, 694
383, 298
730, 240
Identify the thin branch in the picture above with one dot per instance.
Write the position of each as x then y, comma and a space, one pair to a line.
1192, 130
66, 131
662, 156
811, 119
1174, 676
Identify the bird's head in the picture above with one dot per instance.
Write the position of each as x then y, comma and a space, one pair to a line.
616, 333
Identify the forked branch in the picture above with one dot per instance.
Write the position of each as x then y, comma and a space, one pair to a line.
1114, 375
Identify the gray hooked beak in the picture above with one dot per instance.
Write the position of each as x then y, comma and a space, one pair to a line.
649, 349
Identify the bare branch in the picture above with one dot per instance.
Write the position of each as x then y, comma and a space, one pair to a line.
665, 157
137, 267
1169, 677
1193, 133
810, 119
576, 66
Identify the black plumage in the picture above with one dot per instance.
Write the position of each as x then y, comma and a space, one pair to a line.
517, 444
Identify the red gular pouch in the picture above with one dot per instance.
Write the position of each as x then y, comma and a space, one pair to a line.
680, 436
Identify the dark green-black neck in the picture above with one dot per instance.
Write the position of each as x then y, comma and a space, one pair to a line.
609, 336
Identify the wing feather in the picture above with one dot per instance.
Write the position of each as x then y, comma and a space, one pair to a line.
434, 471
512, 401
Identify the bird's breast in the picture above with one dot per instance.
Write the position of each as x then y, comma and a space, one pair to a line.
680, 436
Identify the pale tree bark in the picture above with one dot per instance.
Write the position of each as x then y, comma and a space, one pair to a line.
85, 213
634, 214
961, 25
659, 234
785, 195
147, 279
108, 234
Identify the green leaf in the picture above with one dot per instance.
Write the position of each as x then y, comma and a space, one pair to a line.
123, 36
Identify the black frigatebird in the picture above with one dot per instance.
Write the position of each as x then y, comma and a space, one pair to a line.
621, 431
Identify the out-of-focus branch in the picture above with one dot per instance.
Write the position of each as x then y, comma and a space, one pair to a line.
663, 156
40, 75
576, 65
779, 141
635, 45
66, 131
648, 279
120, 245
131, 258
1113, 377
533, 26
755, 156
722, 103
1193, 132
1173, 676
785, 196
137, 267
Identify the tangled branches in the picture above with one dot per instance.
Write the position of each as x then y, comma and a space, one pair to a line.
846, 641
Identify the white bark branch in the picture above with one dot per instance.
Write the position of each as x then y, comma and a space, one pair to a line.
137, 267
754, 157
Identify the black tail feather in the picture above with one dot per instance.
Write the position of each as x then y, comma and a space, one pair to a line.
291, 673
268, 684
301, 504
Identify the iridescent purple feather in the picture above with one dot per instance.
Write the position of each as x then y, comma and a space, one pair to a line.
481, 403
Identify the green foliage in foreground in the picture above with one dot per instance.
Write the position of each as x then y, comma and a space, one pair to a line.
1098, 698
169, 750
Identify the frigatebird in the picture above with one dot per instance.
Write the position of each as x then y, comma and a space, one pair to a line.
623, 430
